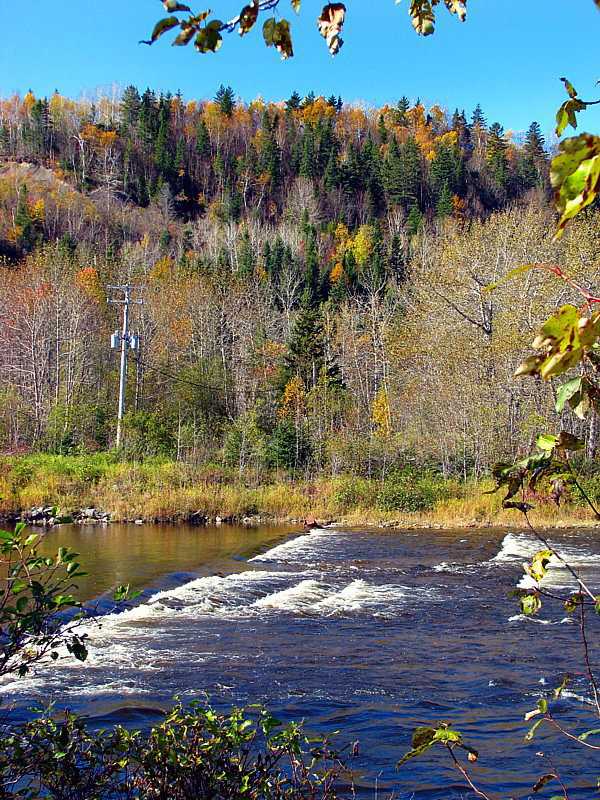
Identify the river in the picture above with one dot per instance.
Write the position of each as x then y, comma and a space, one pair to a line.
367, 631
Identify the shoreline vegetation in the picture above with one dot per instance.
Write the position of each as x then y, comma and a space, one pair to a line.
99, 488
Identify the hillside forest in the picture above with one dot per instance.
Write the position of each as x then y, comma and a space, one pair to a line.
312, 273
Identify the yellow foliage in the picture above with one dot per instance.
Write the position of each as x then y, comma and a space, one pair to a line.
88, 280
37, 212
380, 413
293, 402
28, 101
361, 244
162, 269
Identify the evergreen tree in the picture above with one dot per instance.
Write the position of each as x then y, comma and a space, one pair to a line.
396, 261
202, 140
413, 221
308, 161
312, 283
148, 118
382, 130
400, 111
306, 349
445, 206
162, 156
225, 100
534, 159
496, 157
129, 110
294, 102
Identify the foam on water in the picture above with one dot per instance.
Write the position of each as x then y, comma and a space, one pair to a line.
308, 547
298, 598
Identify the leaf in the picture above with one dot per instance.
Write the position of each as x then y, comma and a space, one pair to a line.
543, 781
457, 7
559, 689
546, 441
562, 339
330, 25
209, 39
269, 26
173, 5
567, 441
248, 16
185, 36
569, 87
296, 5
510, 274
575, 175
566, 392
531, 731
278, 34
423, 17
162, 26
531, 603
539, 562
584, 736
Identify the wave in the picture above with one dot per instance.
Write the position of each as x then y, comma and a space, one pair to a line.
308, 547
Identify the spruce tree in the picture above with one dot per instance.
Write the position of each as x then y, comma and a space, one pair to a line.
129, 110
496, 157
202, 140
224, 98
445, 205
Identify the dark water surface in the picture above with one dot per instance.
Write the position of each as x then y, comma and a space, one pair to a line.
369, 632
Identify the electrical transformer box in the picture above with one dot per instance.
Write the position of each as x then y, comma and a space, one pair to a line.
115, 340
134, 341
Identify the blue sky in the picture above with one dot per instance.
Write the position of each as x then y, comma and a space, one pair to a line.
508, 56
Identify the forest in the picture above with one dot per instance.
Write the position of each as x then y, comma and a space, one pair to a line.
314, 282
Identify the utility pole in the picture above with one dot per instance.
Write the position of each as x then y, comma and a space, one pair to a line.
124, 340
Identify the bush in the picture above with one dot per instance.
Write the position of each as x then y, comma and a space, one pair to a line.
411, 489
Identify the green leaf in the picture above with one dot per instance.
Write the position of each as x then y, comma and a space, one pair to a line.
584, 736
296, 5
511, 274
575, 175
185, 36
531, 731
542, 705
566, 392
531, 603
21, 603
269, 27
546, 441
209, 39
162, 26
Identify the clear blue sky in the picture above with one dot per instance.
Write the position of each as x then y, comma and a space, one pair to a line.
508, 56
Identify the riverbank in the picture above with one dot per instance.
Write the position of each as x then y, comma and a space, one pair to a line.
100, 488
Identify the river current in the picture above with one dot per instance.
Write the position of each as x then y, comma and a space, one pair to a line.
367, 632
